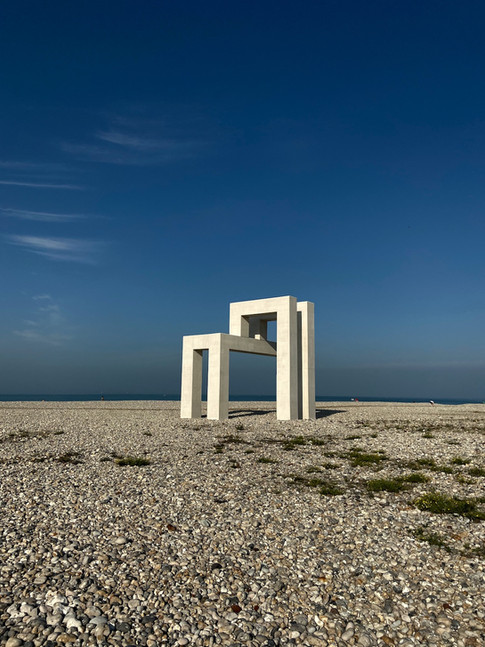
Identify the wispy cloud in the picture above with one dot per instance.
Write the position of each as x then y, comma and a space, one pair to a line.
44, 167
138, 142
41, 216
42, 185
48, 324
38, 175
59, 249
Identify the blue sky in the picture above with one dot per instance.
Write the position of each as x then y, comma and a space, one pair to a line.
159, 160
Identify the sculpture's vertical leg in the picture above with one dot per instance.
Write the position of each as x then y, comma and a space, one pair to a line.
218, 380
287, 362
306, 360
191, 392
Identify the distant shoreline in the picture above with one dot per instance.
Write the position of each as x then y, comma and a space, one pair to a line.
93, 397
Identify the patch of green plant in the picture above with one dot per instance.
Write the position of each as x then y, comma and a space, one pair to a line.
147, 433
428, 434
330, 466
476, 551
318, 442
219, 448
352, 437
249, 451
324, 487
330, 489
105, 459
359, 458
438, 503
458, 460
23, 434
69, 457
313, 470
41, 458
476, 471
463, 479
133, 461
372, 435
240, 427
267, 461
386, 485
446, 469
432, 538
231, 438
452, 442
292, 443
234, 464
419, 463
416, 477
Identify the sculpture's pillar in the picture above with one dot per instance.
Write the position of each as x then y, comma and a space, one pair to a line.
191, 392
287, 360
218, 379
306, 360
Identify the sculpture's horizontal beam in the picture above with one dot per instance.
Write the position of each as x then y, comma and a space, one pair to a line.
231, 342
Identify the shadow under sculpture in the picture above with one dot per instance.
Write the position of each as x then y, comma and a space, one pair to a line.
294, 350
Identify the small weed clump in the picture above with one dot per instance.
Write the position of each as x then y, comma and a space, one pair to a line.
292, 443
330, 489
428, 434
69, 457
387, 485
313, 470
477, 551
267, 461
234, 439
432, 538
22, 435
330, 466
297, 441
463, 479
132, 461
476, 471
458, 460
416, 477
442, 504
219, 448
240, 427
446, 469
325, 488
397, 484
352, 437
358, 458
421, 463
147, 433
428, 464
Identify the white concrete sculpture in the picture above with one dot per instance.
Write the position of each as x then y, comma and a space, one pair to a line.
248, 322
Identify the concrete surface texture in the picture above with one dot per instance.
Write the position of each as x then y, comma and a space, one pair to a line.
248, 329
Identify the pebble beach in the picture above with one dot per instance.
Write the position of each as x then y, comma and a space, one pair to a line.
122, 524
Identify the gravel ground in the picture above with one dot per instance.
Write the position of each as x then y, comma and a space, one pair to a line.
246, 532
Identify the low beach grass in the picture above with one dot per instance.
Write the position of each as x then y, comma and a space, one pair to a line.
438, 503
132, 461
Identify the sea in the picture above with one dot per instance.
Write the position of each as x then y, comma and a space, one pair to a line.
116, 397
